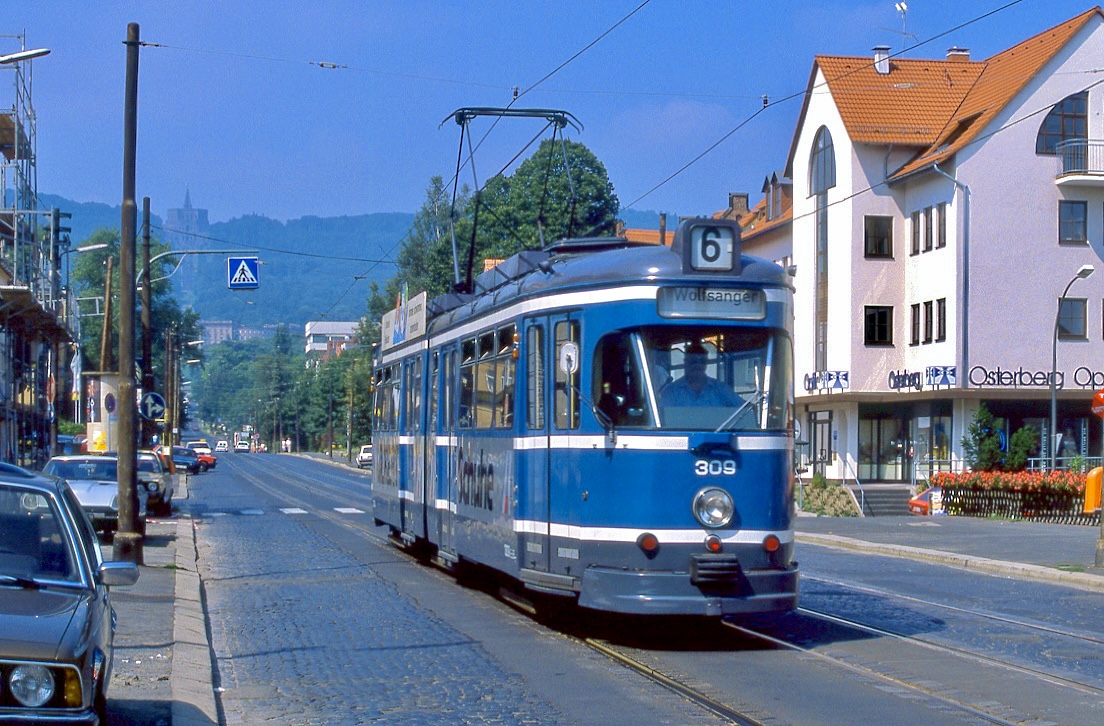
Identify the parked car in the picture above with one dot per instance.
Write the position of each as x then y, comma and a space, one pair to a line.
364, 458
94, 479
241, 447
183, 458
207, 460
222, 446
57, 625
158, 481
929, 501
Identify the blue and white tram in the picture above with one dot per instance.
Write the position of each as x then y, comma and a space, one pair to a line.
605, 421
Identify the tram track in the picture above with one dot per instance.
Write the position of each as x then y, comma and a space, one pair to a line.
992, 617
872, 674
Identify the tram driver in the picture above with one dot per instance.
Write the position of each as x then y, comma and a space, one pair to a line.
696, 387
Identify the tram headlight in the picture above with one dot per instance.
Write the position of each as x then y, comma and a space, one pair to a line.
714, 507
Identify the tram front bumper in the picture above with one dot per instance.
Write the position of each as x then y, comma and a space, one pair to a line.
673, 593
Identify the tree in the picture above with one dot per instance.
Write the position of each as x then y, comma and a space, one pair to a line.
1023, 445
526, 210
981, 446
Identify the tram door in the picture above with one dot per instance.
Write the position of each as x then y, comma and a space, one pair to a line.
445, 485
534, 463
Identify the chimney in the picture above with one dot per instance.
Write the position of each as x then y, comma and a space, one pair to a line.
959, 55
881, 59
737, 204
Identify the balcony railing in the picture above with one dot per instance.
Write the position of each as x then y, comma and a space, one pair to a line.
1081, 157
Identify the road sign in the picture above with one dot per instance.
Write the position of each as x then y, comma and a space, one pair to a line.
1098, 403
241, 273
152, 406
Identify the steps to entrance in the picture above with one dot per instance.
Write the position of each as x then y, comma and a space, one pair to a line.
883, 500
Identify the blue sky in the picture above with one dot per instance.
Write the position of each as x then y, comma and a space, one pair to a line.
235, 107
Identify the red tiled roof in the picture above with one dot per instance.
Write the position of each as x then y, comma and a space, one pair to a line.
939, 106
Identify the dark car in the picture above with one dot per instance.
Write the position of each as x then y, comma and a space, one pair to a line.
57, 625
186, 459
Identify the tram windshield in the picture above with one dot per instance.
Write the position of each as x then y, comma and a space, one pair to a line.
697, 378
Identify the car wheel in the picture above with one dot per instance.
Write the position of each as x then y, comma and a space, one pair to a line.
202, 468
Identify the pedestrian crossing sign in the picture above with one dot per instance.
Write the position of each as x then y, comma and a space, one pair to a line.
241, 273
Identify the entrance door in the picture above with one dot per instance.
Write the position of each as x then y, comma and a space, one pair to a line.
820, 441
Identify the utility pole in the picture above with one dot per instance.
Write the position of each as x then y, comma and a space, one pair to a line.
147, 319
128, 540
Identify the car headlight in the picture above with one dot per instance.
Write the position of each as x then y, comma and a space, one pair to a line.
32, 685
714, 507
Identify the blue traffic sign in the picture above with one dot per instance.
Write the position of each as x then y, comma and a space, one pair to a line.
152, 406
241, 273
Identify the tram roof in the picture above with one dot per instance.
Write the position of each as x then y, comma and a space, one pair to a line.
579, 264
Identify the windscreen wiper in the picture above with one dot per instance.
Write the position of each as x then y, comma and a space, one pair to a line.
753, 401
26, 583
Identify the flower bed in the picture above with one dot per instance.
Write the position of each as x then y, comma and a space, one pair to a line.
1053, 496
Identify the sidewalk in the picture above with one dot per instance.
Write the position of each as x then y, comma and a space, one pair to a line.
1058, 553
162, 665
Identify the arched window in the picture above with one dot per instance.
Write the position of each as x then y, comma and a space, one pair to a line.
822, 164
1067, 120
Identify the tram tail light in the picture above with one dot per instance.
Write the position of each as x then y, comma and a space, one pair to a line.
649, 543
771, 543
713, 543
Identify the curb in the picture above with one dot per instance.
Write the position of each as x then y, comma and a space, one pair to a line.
1015, 570
192, 684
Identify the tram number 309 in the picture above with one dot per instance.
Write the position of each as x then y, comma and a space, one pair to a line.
715, 467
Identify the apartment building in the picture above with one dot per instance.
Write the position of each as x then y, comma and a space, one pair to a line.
942, 213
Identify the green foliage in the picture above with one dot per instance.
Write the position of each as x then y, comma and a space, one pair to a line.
526, 210
1023, 445
981, 444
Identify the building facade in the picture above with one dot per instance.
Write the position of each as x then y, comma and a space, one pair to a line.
326, 336
940, 210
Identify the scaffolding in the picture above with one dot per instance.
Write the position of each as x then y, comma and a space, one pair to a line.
35, 318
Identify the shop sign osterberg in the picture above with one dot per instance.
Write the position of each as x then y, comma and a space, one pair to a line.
983, 377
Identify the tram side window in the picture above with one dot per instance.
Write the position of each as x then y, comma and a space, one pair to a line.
534, 364
566, 338
467, 384
434, 392
449, 391
619, 383
414, 422
504, 403
393, 400
485, 382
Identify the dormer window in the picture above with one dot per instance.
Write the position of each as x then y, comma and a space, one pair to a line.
1068, 120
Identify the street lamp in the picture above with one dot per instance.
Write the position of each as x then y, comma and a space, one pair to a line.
23, 55
1082, 273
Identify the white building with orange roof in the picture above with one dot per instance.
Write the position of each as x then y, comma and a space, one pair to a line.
940, 208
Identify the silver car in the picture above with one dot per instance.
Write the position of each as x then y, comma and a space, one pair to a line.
95, 481
57, 625
158, 482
